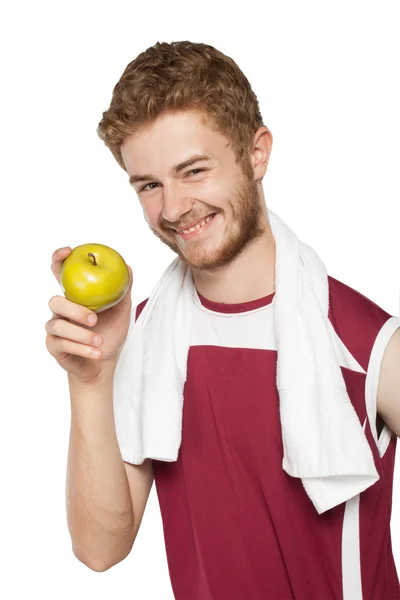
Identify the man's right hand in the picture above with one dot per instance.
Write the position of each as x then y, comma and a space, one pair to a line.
71, 339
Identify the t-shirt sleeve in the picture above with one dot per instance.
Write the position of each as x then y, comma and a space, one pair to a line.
365, 329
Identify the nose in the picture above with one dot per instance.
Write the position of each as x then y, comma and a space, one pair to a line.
175, 204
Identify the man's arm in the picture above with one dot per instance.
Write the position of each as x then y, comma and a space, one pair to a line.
105, 496
388, 397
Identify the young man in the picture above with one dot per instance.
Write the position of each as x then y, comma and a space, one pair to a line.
185, 126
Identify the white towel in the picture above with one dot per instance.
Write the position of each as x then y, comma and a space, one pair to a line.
324, 443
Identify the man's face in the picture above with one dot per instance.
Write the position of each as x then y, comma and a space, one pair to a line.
176, 200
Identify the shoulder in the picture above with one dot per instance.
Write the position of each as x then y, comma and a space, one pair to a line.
356, 319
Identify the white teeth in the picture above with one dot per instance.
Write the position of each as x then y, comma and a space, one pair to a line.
197, 227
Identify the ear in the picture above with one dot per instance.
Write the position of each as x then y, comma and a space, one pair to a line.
261, 151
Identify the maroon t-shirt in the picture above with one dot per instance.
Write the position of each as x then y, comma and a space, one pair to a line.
236, 525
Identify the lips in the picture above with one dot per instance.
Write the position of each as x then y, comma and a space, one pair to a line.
193, 224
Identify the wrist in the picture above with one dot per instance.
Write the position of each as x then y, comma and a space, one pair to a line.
103, 378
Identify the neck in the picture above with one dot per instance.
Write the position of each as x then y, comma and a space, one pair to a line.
249, 277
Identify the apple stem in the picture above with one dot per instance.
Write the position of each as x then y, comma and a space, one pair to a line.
94, 258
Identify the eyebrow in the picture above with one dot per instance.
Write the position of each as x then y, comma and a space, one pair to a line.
175, 170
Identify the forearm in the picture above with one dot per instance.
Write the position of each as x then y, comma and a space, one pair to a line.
99, 506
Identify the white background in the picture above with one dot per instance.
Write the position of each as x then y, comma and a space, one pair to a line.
326, 75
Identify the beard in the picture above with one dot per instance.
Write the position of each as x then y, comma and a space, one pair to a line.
245, 229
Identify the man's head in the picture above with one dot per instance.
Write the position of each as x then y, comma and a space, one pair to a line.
174, 101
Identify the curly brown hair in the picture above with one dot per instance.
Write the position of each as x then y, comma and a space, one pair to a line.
182, 75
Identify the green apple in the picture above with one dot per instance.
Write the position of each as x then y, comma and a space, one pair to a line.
95, 276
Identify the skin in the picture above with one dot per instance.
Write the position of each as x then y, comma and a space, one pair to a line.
234, 260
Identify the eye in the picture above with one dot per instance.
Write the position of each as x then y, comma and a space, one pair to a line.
191, 171
145, 186
142, 189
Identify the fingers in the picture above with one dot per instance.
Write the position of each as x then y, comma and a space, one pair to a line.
65, 337
61, 307
58, 346
57, 260
65, 329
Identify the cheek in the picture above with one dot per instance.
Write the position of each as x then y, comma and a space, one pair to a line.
151, 214
214, 194
213, 186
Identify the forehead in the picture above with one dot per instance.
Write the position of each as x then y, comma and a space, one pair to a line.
169, 139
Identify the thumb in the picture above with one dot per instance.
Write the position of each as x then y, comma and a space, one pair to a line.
126, 300
131, 278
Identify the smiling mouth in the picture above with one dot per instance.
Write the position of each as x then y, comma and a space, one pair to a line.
198, 225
